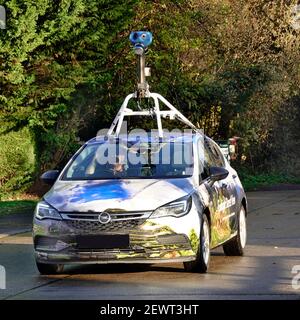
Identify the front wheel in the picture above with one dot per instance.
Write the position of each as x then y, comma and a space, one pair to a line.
203, 255
236, 246
48, 269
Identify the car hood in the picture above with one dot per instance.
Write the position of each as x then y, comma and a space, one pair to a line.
129, 195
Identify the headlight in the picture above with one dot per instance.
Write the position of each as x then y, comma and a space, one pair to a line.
44, 211
176, 208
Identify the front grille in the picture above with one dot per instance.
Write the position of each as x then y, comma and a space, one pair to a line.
115, 216
96, 226
120, 221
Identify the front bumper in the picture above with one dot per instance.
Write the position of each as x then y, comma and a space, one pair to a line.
113, 256
158, 240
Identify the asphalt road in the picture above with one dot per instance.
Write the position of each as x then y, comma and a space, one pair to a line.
265, 272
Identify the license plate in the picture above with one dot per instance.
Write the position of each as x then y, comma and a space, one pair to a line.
119, 241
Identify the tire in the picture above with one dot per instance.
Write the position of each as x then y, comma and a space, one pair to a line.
48, 269
201, 263
236, 246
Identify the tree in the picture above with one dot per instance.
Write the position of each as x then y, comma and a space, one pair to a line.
50, 51
232, 67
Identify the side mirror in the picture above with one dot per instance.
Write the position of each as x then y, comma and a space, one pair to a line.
218, 173
49, 177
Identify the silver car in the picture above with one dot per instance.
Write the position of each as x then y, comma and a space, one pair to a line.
177, 202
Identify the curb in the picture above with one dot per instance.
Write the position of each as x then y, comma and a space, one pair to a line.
14, 232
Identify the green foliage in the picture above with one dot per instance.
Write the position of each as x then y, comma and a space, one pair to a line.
254, 181
17, 206
17, 161
50, 48
230, 66
50, 52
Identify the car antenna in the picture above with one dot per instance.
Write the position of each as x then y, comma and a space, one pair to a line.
141, 41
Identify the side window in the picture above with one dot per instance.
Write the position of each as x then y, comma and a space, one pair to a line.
216, 154
209, 156
205, 160
220, 155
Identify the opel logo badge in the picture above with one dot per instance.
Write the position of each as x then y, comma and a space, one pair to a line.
104, 217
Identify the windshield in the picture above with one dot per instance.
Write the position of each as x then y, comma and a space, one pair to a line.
136, 161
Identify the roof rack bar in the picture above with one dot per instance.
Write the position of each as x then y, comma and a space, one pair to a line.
121, 111
141, 40
173, 113
177, 113
158, 117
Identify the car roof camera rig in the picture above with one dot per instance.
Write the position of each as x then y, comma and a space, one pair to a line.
141, 40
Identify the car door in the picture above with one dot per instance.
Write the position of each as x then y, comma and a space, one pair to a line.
221, 196
226, 192
209, 193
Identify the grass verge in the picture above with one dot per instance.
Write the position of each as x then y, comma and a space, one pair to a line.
255, 182
17, 206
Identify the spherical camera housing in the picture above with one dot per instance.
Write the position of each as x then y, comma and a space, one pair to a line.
141, 40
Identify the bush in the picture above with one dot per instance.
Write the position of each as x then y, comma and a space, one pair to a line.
17, 161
